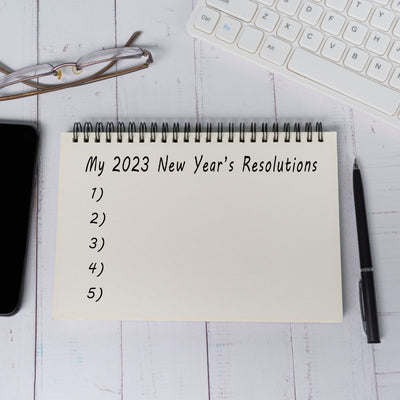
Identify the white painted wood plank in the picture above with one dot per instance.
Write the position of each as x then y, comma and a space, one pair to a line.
231, 89
378, 151
165, 361
387, 353
389, 386
384, 225
17, 333
333, 361
80, 359
294, 102
378, 148
250, 361
160, 360
164, 91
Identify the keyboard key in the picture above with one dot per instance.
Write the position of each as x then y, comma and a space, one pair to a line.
289, 29
360, 9
396, 30
395, 79
377, 42
338, 5
379, 69
355, 33
267, 2
311, 39
250, 39
228, 29
396, 5
242, 9
333, 23
382, 19
288, 6
344, 81
310, 13
206, 20
267, 19
333, 49
356, 59
394, 53
275, 50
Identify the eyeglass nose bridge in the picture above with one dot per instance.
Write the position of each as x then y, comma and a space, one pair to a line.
76, 69
57, 70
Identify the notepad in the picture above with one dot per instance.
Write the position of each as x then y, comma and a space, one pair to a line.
198, 226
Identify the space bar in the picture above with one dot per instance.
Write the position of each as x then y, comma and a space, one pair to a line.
344, 81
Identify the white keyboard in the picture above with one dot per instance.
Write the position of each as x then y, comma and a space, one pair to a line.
349, 49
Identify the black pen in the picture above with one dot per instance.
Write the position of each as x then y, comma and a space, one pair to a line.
369, 311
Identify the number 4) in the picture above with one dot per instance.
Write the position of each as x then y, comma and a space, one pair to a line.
94, 266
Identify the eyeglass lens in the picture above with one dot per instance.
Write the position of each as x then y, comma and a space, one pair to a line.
24, 74
107, 55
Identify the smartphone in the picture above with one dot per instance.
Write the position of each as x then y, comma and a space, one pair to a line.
18, 153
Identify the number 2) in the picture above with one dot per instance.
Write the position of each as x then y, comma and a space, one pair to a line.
98, 219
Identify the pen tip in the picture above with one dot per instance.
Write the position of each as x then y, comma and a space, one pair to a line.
355, 165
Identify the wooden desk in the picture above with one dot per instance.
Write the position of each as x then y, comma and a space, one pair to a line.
45, 359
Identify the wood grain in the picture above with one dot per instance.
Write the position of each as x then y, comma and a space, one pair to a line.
81, 360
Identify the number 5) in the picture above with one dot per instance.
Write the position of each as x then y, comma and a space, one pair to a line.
92, 293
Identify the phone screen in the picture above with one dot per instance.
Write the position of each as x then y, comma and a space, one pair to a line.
18, 149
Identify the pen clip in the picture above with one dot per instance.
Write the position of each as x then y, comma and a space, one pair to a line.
362, 309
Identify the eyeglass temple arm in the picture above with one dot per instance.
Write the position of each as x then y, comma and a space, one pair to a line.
81, 82
92, 78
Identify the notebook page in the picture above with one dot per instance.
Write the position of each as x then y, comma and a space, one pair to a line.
242, 231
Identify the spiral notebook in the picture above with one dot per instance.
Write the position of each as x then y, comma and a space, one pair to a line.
169, 223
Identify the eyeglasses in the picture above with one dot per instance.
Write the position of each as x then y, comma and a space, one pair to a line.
28, 75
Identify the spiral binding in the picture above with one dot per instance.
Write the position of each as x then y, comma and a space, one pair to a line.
152, 131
